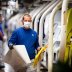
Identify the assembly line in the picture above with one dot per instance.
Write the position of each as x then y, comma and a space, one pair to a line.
38, 38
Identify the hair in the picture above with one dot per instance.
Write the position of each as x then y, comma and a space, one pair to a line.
26, 14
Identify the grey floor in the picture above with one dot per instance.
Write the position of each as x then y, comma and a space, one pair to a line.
56, 68
7, 68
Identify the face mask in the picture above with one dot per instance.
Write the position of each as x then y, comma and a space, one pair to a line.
27, 24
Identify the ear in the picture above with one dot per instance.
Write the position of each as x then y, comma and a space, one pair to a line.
22, 21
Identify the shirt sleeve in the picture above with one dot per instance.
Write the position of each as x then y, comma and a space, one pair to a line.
13, 38
1, 30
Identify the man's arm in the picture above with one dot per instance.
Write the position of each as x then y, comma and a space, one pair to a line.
1, 35
12, 40
37, 46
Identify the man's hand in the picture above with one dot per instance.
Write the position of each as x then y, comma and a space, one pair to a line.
38, 49
4, 38
10, 46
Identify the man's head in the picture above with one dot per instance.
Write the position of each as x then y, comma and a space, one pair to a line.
26, 21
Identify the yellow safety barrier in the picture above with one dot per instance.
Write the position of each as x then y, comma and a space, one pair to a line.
39, 56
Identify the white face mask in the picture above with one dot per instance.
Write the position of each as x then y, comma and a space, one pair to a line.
27, 24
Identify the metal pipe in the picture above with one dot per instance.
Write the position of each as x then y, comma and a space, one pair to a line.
35, 26
50, 39
39, 14
31, 13
63, 30
42, 21
41, 27
36, 12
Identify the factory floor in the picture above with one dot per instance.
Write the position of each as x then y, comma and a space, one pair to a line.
59, 67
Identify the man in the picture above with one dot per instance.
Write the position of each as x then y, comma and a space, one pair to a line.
25, 36
1, 42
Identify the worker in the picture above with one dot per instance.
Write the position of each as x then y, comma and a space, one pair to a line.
1, 43
25, 36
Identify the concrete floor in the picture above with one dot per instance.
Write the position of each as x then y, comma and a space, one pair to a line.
59, 67
7, 68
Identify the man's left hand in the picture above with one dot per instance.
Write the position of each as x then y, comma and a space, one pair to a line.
39, 48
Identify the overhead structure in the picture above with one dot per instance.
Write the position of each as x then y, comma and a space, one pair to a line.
36, 12
39, 15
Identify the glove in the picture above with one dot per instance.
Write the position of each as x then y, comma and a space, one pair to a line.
10, 46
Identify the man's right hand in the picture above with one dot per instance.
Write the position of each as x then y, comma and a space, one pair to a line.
10, 46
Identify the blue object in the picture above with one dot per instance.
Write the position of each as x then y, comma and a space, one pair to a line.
25, 37
1, 30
